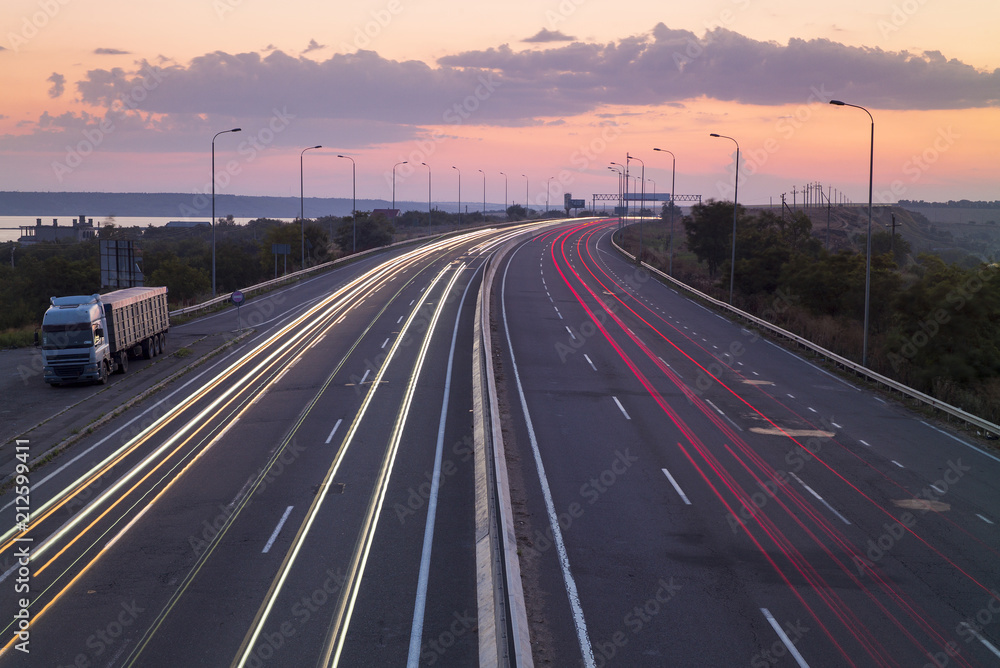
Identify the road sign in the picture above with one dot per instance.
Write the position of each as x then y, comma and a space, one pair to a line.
237, 297
577, 203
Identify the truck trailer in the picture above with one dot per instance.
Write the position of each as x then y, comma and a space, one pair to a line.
87, 338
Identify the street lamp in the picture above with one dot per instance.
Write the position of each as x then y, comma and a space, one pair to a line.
623, 191
484, 193
505, 184
354, 201
673, 172
213, 203
642, 203
868, 261
302, 206
428, 192
404, 162
525, 195
620, 171
548, 186
459, 193
736, 191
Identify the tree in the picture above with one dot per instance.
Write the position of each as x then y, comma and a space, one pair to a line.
709, 231
183, 281
516, 212
373, 231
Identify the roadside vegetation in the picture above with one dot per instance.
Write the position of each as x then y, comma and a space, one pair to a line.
934, 323
181, 258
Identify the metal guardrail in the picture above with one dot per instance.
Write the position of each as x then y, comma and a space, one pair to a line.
505, 641
958, 413
295, 275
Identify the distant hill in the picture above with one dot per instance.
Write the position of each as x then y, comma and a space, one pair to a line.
179, 205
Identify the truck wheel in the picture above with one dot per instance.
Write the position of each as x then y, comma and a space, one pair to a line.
147, 349
163, 343
123, 362
103, 378
156, 345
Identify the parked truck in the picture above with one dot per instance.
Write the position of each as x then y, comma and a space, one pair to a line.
87, 338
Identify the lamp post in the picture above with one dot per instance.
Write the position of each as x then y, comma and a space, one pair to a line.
505, 184
484, 193
213, 203
354, 202
459, 193
428, 192
623, 191
642, 202
673, 172
868, 261
620, 171
404, 162
736, 191
302, 206
548, 186
525, 195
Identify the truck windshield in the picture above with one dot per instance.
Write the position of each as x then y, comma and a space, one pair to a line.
57, 337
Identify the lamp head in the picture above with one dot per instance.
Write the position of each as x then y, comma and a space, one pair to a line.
236, 130
714, 135
837, 102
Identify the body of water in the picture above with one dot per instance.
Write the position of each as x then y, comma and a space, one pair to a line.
10, 226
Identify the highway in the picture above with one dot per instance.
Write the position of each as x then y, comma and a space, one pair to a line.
684, 492
690, 494
305, 500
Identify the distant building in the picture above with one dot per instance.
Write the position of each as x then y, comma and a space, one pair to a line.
80, 230
187, 223
390, 214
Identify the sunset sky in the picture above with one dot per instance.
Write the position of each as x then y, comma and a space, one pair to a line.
121, 96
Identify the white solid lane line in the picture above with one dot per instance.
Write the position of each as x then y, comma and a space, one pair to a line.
677, 487
821, 499
572, 594
621, 408
784, 638
277, 530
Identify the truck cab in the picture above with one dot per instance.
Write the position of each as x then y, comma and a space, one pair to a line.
74, 341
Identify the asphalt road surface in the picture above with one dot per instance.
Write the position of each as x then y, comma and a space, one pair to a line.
305, 500
694, 495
